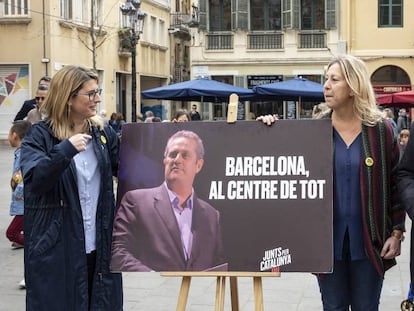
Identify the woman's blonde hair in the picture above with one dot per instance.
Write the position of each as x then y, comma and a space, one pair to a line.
357, 78
64, 85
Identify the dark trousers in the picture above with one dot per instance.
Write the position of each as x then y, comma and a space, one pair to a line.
91, 261
353, 283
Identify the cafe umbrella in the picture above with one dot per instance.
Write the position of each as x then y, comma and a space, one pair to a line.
297, 89
201, 89
399, 99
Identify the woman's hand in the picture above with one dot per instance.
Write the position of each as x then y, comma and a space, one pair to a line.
267, 119
391, 248
79, 141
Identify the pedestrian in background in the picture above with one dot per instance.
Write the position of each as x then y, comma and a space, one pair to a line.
14, 231
368, 221
181, 115
117, 121
35, 115
318, 110
389, 115
194, 114
402, 120
149, 115
68, 160
31, 103
403, 140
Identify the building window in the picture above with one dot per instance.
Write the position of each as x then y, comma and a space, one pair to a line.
13, 8
265, 15
390, 13
313, 14
79, 11
220, 15
98, 12
66, 9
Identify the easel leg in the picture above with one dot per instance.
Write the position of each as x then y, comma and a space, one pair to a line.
182, 298
234, 293
220, 293
258, 293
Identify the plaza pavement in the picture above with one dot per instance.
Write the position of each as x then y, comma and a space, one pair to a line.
152, 292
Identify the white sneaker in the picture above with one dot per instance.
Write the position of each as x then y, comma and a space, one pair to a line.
22, 284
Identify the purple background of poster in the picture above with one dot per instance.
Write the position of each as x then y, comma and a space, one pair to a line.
249, 227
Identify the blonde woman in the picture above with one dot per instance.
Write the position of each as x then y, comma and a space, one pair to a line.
368, 222
68, 160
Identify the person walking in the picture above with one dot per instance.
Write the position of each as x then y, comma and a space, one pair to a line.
368, 221
68, 161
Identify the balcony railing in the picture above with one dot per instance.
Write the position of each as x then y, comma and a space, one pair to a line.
220, 41
181, 21
262, 41
312, 40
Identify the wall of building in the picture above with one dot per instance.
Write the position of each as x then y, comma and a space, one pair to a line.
27, 40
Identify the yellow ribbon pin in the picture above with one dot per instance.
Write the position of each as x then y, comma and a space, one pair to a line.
103, 139
369, 161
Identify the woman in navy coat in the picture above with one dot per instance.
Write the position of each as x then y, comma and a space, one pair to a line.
68, 160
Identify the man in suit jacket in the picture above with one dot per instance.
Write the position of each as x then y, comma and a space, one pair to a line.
168, 228
31, 103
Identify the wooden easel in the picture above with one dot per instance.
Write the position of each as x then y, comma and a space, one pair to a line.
221, 276
221, 286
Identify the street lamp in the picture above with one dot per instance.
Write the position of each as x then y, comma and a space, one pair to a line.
133, 20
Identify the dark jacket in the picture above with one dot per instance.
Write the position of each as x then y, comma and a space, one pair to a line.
55, 260
406, 177
24, 110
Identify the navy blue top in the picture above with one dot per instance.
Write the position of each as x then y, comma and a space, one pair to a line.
347, 208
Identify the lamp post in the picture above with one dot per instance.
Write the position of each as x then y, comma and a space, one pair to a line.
133, 20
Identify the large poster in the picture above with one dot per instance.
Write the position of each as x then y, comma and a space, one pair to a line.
261, 200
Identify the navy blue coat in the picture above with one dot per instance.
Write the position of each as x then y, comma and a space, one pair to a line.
55, 260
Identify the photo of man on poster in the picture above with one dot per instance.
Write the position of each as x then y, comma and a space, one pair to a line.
168, 227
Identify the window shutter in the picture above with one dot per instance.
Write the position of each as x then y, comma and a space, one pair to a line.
287, 14
330, 14
295, 14
239, 15
233, 15
290, 14
202, 14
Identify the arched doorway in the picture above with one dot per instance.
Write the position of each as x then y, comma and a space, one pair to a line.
390, 79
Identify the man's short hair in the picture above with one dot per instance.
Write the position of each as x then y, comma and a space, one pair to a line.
189, 135
43, 87
21, 127
45, 78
